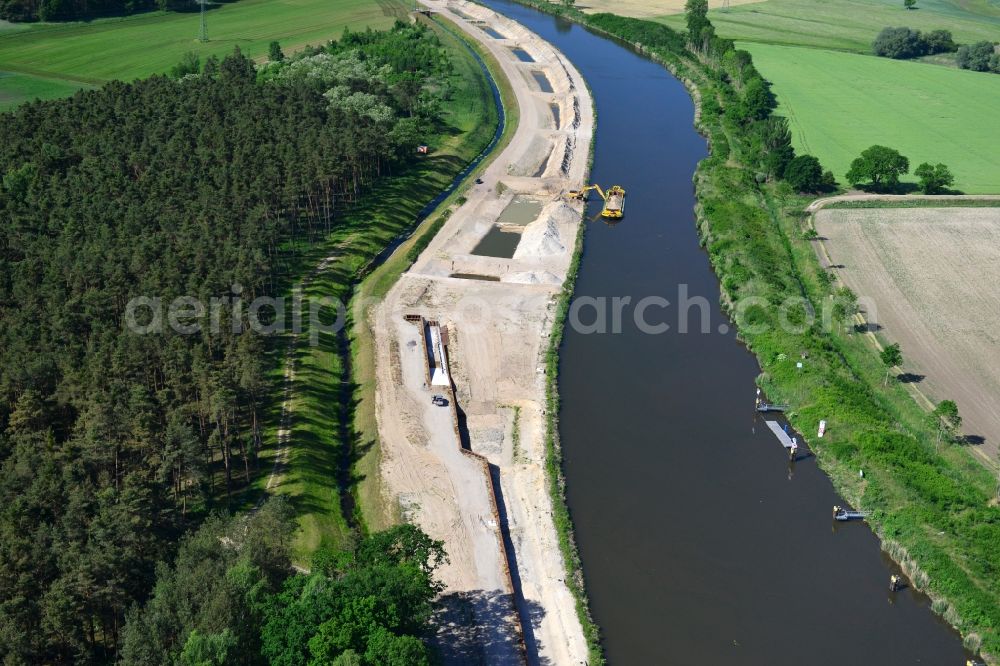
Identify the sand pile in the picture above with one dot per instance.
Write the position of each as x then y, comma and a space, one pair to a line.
532, 277
543, 237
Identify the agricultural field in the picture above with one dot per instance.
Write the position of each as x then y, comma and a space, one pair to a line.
838, 104
916, 272
54, 59
16, 88
648, 9
849, 25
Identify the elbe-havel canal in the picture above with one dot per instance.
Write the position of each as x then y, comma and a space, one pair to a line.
701, 543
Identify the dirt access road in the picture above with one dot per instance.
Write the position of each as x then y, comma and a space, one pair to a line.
930, 276
497, 324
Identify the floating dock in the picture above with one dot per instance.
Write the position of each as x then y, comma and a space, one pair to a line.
782, 436
843, 515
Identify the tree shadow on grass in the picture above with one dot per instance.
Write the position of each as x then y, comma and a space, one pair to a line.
884, 188
910, 378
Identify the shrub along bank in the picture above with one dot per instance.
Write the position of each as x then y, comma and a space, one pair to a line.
933, 508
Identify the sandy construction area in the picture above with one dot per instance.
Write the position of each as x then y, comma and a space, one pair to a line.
933, 277
497, 319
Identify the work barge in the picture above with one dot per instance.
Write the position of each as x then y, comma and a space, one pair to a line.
614, 199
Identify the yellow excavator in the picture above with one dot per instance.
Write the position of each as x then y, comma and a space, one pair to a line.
614, 199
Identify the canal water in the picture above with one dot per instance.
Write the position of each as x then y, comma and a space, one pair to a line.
700, 543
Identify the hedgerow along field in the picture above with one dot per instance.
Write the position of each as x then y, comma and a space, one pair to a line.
849, 25
56, 58
839, 103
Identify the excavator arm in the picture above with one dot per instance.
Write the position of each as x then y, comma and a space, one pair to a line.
582, 194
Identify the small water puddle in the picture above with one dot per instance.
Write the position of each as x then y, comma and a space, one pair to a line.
555, 114
520, 211
475, 276
522, 55
493, 33
498, 243
542, 81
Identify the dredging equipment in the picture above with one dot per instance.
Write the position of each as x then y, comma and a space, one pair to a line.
614, 199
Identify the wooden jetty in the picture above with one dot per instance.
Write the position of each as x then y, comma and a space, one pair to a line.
789, 443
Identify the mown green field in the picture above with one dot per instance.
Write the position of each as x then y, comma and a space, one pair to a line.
61, 55
849, 24
841, 103
16, 88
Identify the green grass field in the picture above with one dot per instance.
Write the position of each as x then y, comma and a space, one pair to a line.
62, 56
849, 24
6, 27
16, 88
841, 103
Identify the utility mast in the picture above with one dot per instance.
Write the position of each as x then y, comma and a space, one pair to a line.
204, 24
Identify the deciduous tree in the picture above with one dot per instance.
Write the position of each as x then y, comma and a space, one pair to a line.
933, 178
977, 57
274, 52
947, 419
879, 165
804, 173
696, 13
892, 356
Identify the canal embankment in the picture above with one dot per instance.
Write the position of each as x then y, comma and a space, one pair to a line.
489, 277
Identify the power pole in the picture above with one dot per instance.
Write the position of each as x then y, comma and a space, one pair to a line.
204, 24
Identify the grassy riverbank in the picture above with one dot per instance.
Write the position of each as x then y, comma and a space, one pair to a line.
327, 457
553, 461
934, 510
